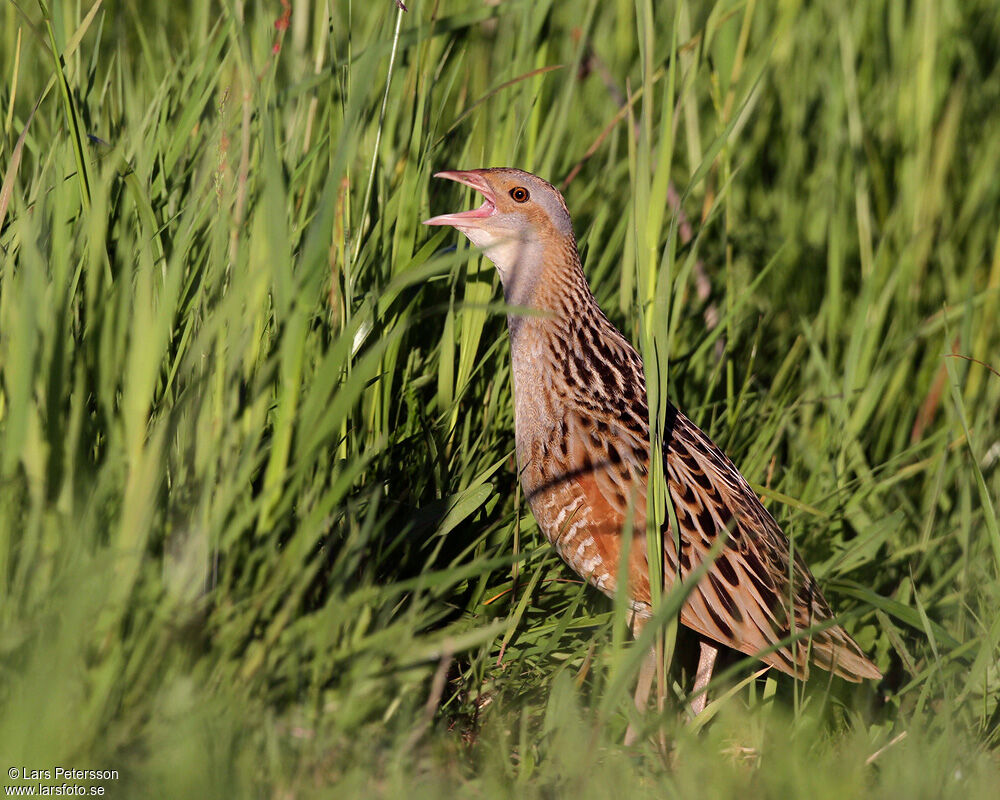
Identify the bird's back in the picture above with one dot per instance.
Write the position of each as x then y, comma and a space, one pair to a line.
583, 450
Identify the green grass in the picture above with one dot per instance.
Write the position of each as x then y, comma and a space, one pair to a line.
259, 525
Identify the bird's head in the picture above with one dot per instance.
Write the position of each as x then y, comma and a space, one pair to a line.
522, 223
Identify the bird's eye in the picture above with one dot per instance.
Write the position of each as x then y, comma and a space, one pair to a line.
520, 194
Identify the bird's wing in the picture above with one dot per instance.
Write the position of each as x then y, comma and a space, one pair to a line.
756, 592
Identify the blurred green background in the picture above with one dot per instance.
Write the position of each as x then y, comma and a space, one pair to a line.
260, 532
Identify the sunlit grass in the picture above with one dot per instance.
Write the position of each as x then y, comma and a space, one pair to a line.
259, 524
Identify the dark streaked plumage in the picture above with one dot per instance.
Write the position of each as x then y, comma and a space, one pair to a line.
583, 449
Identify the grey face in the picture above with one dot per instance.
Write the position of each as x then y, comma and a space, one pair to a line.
521, 217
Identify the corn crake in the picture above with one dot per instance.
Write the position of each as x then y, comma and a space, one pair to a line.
582, 441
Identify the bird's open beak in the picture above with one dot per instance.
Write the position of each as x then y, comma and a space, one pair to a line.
465, 219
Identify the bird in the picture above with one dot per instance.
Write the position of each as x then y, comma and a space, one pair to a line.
582, 441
